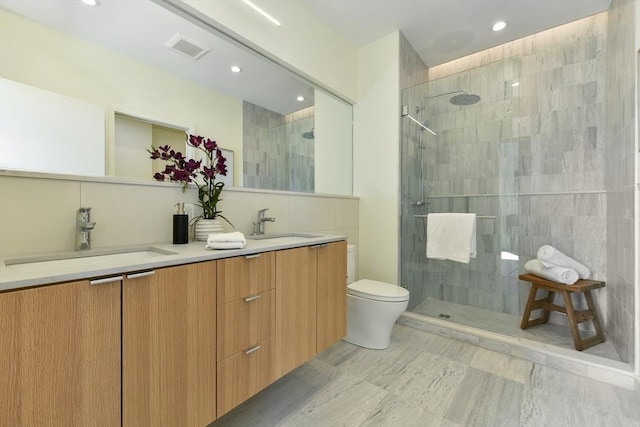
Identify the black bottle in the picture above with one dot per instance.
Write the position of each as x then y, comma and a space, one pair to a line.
180, 226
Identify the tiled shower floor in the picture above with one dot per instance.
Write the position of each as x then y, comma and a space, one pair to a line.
509, 325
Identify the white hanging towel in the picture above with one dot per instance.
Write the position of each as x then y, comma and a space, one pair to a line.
551, 257
451, 236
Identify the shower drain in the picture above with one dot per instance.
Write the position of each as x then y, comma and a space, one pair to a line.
444, 316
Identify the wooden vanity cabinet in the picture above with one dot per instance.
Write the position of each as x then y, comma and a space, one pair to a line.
296, 278
311, 305
175, 346
246, 328
310, 302
169, 346
60, 357
331, 312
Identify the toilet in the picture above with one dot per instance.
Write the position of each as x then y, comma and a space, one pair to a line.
372, 308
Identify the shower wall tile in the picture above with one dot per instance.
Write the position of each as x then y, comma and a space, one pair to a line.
276, 156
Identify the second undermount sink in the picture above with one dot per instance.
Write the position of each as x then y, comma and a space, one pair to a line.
92, 256
300, 236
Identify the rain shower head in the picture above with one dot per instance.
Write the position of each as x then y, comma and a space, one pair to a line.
309, 135
464, 99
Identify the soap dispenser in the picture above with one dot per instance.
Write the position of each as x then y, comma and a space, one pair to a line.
180, 225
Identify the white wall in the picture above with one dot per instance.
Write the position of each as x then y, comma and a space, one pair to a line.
333, 145
376, 154
303, 41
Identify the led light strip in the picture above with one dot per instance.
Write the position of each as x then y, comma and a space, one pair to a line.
270, 18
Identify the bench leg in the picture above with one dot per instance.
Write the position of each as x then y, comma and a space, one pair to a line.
571, 318
594, 313
533, 304
579, 343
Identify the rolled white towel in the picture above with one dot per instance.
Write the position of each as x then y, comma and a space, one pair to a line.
234, 236
551, 257
224, 245
558, 274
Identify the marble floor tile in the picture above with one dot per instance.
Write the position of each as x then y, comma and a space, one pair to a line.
427, 380
396, 411
509, 367
485, 399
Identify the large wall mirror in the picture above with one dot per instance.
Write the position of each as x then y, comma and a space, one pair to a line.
74, 79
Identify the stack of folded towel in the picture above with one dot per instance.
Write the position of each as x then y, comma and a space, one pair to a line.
233, 240
554, 265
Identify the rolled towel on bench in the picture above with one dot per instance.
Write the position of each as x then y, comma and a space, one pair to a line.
558, 274
551, 257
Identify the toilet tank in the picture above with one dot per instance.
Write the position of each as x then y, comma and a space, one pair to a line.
351, 264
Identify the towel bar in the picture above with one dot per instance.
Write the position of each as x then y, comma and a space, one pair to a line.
478, 216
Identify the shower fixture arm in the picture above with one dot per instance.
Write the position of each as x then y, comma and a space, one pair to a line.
445, 94
407, 115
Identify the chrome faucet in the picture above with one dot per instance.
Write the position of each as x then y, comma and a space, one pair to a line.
84, 225
258, 227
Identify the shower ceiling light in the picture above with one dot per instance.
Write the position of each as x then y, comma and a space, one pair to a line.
300, 98
236, 69
268, 17
499, 26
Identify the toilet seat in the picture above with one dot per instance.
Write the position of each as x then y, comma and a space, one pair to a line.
378, 291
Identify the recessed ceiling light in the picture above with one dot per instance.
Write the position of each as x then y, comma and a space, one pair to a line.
236, 69
515, 84
268, 17
300, 98
90, 2
499, 26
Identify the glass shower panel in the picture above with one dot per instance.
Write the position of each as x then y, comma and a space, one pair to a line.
470, 165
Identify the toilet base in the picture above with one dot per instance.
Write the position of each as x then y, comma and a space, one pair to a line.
369, 322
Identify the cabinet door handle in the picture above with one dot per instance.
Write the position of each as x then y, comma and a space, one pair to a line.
321, 245
141, 274
252, 256
106, 280
252, 349
252, 297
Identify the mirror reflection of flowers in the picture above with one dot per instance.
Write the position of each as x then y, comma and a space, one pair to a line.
181, 169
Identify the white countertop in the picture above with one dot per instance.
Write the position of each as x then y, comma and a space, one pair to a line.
93, 264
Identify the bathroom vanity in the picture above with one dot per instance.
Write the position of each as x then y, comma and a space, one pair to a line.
179, 338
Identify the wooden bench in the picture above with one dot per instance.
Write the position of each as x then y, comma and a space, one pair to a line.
574, 317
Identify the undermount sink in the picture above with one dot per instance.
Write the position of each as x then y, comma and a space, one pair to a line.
92, 256
283, 235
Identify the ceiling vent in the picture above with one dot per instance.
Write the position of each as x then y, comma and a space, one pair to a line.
186, 46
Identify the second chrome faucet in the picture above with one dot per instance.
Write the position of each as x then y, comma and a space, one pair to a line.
84, 225
258, 227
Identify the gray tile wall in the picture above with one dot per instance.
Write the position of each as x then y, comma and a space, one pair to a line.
276, 156
619, 176
533, 155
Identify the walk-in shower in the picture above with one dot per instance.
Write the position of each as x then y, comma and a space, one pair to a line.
509, 159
